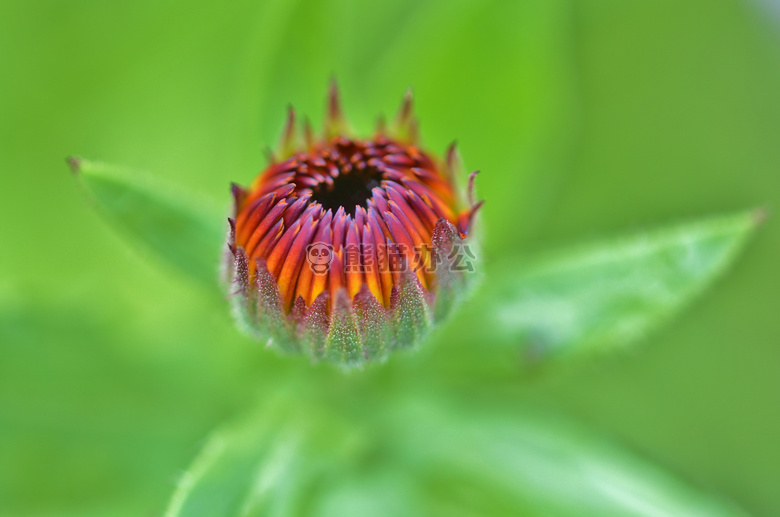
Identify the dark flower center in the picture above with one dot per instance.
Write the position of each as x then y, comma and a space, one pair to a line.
348, 189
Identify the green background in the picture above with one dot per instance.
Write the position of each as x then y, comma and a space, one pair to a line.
587, 118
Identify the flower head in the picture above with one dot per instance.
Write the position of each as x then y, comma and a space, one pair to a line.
347, 248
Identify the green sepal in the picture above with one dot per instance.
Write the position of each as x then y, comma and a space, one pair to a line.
344, 345
409, 312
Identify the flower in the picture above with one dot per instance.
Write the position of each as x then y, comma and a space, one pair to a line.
345, 248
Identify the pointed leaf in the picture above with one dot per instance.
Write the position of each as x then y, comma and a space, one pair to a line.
608, 295
186, 232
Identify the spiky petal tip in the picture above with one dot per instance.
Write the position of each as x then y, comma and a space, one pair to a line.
346, 249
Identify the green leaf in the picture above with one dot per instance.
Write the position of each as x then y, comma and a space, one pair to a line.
607, 295
420, 457
184, 231
267, 464
516, 461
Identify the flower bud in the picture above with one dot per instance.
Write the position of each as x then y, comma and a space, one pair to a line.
346, 249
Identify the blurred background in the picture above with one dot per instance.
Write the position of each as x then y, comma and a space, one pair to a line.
587, 118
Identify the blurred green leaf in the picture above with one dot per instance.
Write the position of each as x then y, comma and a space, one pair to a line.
516, 461
267, 464
609, 294
420, 457
184, 231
